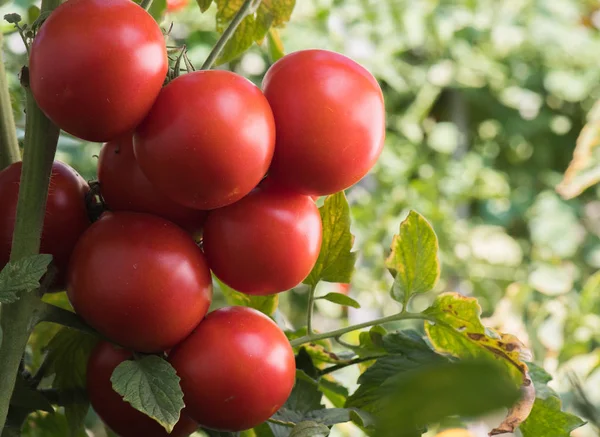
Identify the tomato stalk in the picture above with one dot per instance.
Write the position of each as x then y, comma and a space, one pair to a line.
53, 314
310, 309
18, 319
146, 4
249, 7
311, 337
9, 146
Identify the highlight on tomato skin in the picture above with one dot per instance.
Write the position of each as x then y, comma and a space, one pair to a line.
248, 245
124, 187
252, 373
128, 53
116, 413
139, 280
65, 218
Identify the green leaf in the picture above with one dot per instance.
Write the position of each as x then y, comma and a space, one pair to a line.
67, 357
27, 397
22, 276
264, 304
336, 259
459, 332
274, 45
12, 18
48, 425
151, 386
547, 420
33, 13
414, 261
340, 299
333, 390
204, 5
310, 429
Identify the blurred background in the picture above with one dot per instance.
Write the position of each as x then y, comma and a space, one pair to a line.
486, 100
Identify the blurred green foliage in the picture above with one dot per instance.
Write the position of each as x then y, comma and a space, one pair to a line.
485, 101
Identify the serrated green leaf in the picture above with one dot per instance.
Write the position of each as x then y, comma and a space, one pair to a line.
309, 429
547, 420
242, 40
264, 304
204, 5
334, 391
340, 299
336, 259
275, 48
151, 386
22, 276
414, 262
459, 332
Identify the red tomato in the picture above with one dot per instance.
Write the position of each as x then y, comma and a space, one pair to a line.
139, 280
208, 140
266, 243
175, 5
330, 121
236, 369
118, 414
125, 188
65, 219
96, 67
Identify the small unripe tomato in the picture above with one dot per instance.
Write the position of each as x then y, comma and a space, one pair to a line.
236, 369
116, 413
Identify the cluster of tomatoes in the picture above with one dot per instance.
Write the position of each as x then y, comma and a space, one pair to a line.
182, 174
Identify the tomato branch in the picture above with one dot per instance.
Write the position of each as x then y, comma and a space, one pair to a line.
340, 366
311, 308
41, 137
249, 7
53, 314
338, 332
9, 146
146, 4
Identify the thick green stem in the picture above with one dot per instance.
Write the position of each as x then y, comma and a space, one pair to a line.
311, 308
53, 314
246, 9
18, 319
9, 146
146, 4
338, 332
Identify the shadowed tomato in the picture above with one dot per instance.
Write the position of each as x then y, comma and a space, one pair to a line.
125, 188
139, 280
96, 67
65, 219
236, 369
175, 5
118, 414
330, 121
266, 243
208, 140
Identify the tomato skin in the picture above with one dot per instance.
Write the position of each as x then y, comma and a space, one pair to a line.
96, 67
64, 221
236, 369
125, 188
266, 243
208, 140
175, 5
330, 121
118, 414
140, 280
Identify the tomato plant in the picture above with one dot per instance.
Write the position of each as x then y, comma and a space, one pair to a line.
120, 416
97, 66
65, 216
244, 242
214, 374
208, 140
125, 188
330, 121
139, 280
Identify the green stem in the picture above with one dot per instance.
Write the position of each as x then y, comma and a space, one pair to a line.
146, 4
310, 309
9, 146
338, 332
53, 314
18, 319
246, 9
340, 366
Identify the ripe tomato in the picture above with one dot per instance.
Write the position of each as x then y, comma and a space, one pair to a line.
118, 414
139, 280
330, 121
208, 140
125, 188
236, 369
175, 5
96, 67
266, 243
65, 219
